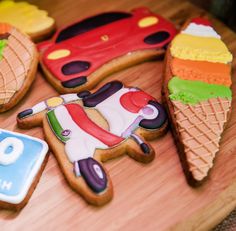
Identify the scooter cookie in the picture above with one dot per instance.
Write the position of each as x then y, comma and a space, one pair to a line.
18, 65
82, 54
198, 95
86, 129
27, 18
22, 159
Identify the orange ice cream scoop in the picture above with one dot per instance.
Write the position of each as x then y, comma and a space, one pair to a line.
4, 28
208, 72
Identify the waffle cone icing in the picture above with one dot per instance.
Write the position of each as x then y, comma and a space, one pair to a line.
17, 55
200, 128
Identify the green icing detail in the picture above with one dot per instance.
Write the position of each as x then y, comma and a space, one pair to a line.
3, 44
55, 126
192, 92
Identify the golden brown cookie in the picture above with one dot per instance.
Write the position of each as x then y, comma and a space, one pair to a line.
85, 129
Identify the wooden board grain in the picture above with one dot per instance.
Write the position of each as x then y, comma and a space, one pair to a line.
151, 197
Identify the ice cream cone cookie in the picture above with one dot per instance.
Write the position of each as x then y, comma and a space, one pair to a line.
197, 94
86, 129
18, 65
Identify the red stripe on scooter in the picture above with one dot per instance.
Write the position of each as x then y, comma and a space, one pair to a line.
85, 123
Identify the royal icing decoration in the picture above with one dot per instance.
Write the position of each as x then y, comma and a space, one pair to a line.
16, 57
124, 109
24, 16
200, 92
21, 158
199, 48
208, 72
8, 157
148, 21
200, 30
78, 50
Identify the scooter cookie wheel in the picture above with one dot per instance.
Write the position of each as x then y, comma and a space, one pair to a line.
156, 122
94, 174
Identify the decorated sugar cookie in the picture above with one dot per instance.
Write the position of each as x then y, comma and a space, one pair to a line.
82, 54
27, 18
197, 91
18, 65
86, 129
22, 159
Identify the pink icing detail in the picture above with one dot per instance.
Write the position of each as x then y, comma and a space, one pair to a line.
76, 168
66, 132
147, 111
128, 132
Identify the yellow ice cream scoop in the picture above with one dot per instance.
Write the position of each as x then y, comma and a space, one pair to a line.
209, 49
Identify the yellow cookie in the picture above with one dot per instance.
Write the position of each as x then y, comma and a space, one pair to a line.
26, 17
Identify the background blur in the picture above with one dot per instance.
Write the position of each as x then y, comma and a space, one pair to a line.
225, 10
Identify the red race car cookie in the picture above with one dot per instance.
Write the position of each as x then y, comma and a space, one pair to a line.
86, 129
84, 53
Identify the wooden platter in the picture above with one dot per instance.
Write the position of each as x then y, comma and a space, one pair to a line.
151, 197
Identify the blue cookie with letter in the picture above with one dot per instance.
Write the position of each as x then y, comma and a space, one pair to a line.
22, 159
